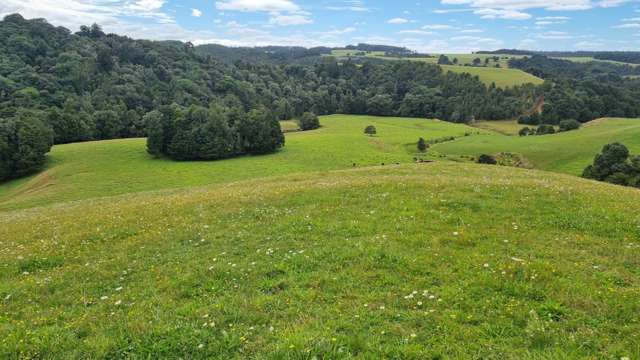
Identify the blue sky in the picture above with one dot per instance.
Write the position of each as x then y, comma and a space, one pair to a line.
426, 26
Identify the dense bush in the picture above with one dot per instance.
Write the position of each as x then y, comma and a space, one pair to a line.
545, 130
422, 145
615, 165
568, 125
308, 121
487, 159
370, 130
199, 133
24, 141
526, 131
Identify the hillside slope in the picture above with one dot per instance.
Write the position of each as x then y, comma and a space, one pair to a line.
96, 169
413, 261
568, 152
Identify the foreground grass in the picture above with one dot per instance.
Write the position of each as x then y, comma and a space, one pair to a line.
568, 152
415, 261
96, 169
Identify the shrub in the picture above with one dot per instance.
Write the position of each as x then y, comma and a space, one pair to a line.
568, 125
533, 119
545, 130
422, 145
370, 130
24, 141
525, 131
487, 159
308, 121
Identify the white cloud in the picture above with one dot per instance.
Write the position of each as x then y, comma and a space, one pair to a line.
554, 35
397, 21
502, 14
196, 13
416, 32
628, 26
258, 5
349, 5
288, 20
437, 27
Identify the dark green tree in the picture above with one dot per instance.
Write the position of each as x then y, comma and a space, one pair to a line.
24, 141
568, 125
370, 130
308, 121
422, 145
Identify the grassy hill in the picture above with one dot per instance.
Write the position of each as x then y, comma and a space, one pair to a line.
568, 152
410, 261
502, 77
96, 169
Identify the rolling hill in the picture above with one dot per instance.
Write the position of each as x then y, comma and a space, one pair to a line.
97, 169
503, 77
409, 261
568, 152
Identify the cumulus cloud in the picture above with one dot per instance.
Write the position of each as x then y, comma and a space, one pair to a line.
397, 21
196, 13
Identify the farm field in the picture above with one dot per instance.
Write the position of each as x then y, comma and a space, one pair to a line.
106, 168
410, 261
568, 152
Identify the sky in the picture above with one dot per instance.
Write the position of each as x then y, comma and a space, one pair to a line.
450, 26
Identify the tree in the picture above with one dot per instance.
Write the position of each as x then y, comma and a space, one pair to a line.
487, 159
260, 132
525, 131
308, 121
104, 59
477, 62
24, 141
370, 130
422, 145
545, 130
612, 165
568, 125
444, 60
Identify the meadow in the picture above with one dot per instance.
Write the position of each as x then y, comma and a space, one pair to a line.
501, 77
505, 127
415, 261
106, 168
568, 152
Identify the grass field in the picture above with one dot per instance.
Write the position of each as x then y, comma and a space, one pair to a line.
96, 169
505, 127
501, 77
568, 152
423, 261
289, 126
